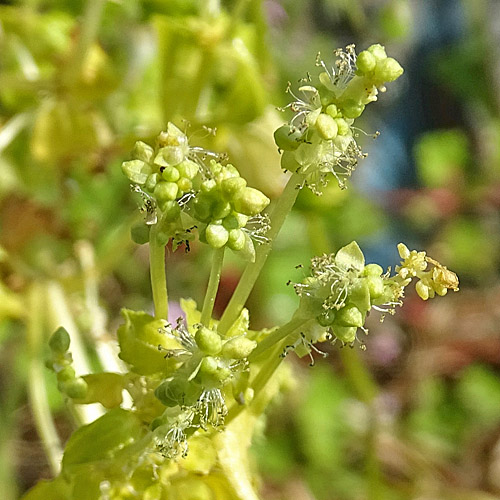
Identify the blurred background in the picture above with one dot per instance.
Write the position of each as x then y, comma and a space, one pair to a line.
81, 81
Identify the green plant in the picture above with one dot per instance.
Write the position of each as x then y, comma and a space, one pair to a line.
197, 386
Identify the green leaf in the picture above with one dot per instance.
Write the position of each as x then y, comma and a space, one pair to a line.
139, 339
101, 439
104, 388
351, 256
58, 489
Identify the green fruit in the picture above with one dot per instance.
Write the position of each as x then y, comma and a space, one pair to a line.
59, 341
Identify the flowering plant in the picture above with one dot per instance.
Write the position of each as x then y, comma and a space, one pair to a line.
179, 421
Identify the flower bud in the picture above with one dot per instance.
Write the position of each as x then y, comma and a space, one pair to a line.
326, 126
232, 186
216, 235
342, 126
250, 201
349, 316
65, 374
422, 290
238, 348
236, 240
208, 341
372, 270
59, 341
136, 171
352, 108
184, 184
187, 168
231, 222
346, 334
75, 389
378, 51
221, 209
170, 174
388, 70
366, 61
332, 110
287, 137
208, 365
375, 286
165, 191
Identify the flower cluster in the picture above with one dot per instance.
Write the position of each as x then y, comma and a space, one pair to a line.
320, 139
185, 187
194, 394
342, 290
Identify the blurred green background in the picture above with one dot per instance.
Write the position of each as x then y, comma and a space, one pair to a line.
81, 81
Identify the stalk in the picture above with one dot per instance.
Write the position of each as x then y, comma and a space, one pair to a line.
213, 286
36, 385
253, 269
157, 272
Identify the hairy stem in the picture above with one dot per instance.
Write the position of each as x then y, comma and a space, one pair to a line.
252, 270
157, 272
36, 385
213, 286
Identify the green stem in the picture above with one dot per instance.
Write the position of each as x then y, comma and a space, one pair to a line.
366, 390
213, 286
252, 270
157, 272
36, 385
277, 336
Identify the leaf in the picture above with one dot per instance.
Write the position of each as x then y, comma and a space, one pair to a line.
104, 388
58, 489
351, 256
240, 326
139, 339
101, 439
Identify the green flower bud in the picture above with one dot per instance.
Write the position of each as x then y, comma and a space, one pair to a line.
208, 186
378, 51
221, 209
143, 152
372, 270
209, 365
208, 341
342, 126
250, 201
236, 240
238, 348
326, 126
184, 184
287, 137
140, 233
326, 318
216, 235
332, 110
203, 209
388, 70
366, 61
222, 374
232, 186
242, 219
59, 341
172, 392
349, 316
136, 171
188, 168
352, 108
165, 191
152, 181
346, 334
170, 174
375, 286
75, 389
231, 222
66, 374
